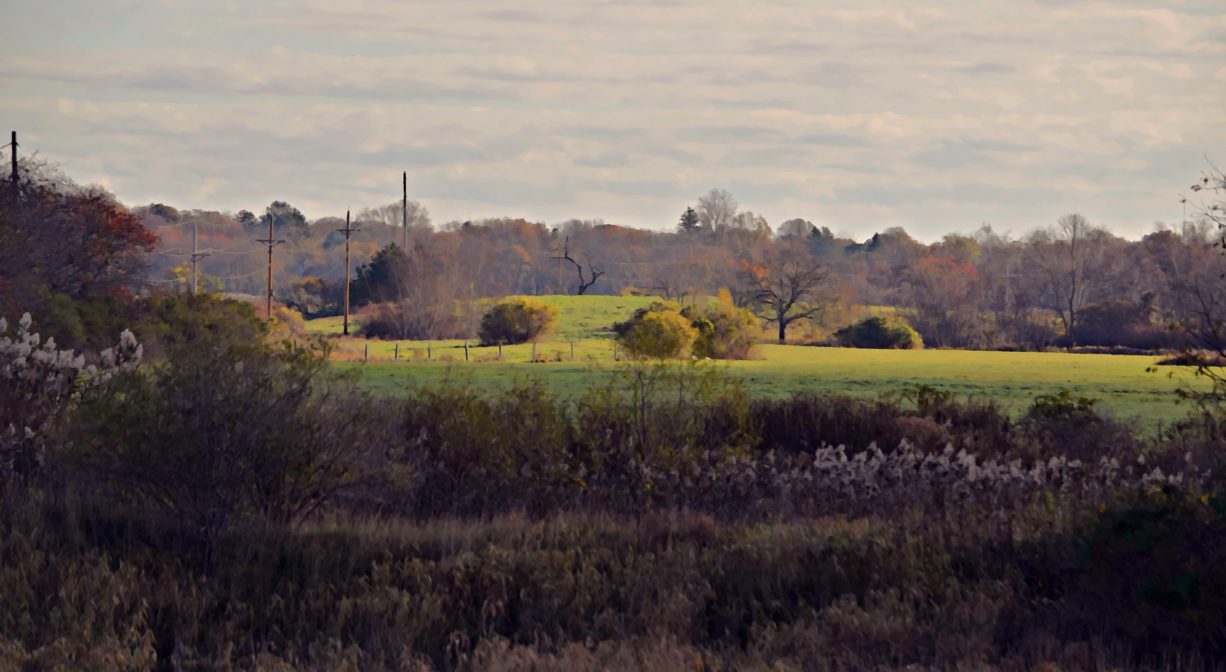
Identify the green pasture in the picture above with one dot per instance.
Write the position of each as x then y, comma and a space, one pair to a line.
1014, 379
579, 317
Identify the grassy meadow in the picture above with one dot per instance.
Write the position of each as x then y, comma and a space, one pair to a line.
1124, 383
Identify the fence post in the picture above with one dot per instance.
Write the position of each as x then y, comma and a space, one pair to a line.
429, 351
396, 356
366, 353
572, 351
500, 351
534, 351
466, 351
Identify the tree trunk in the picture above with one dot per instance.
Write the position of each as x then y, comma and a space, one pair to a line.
783, 329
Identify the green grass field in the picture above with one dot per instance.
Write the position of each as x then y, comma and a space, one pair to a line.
1014, 379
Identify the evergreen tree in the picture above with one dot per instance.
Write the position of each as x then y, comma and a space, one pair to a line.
689, 221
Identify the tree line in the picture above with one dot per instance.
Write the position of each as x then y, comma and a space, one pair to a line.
1068, 283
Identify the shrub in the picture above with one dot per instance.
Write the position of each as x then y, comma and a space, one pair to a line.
1074, 426
1121, 323
224, 432
38, 383
659, 332
880, 333
173, 321
724, 331
721, 331
1151, 570
516, 320
403, 320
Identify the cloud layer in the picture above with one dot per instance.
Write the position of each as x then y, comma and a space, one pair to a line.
936, 118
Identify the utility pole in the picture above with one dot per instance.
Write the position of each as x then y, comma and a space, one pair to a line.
13, 174
348, 231
404, 208
272, 242
197, 255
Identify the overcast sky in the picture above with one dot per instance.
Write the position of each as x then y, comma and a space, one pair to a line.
936, 118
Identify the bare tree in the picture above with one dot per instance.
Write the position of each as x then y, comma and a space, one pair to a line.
785, 288
1064, 262
676, 281
796, 228
1195, 272
593, 273
1213, 183
716, 210
391, 215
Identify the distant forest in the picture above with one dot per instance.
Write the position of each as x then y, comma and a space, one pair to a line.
1067, 283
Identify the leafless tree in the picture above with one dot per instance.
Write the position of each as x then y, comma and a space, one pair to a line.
1213, 185
785, 288
795, 228
392, 215
1195, 272
716, 210
1065, 262
593, 273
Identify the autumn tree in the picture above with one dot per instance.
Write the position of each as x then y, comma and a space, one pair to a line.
69, 255
940, 300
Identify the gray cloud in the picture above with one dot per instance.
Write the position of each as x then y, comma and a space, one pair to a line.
860, 116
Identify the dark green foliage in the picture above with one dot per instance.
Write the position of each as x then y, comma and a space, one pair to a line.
880, 333
382, 278
516, 320
316, 297
247, 219
286, 219
1124, 324
1151, 570
193, 322
689, 222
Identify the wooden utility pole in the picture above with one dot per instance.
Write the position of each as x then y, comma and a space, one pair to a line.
13, 174
197, 255
348, 231
404, 208
272, 242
